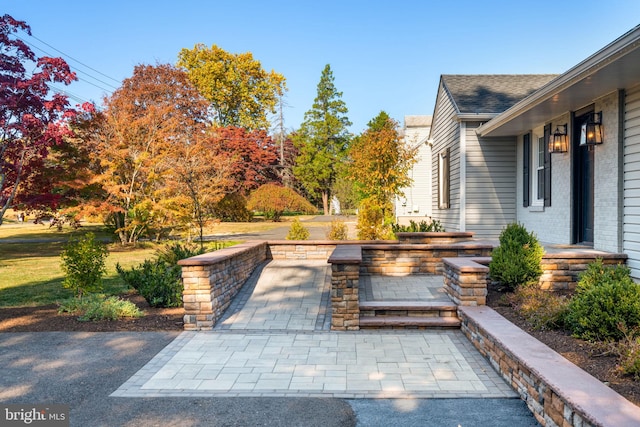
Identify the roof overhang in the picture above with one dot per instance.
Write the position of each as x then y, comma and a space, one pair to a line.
616, 66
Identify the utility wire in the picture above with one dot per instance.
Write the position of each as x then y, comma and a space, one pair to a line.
73, 59
78, 71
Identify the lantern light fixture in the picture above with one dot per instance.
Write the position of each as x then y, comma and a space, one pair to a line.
559, 140
592, 131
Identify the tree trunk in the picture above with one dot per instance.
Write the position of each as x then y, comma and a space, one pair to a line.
325, 202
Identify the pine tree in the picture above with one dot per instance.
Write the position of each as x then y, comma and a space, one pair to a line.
323, 140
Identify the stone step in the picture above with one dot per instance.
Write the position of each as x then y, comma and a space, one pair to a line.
408, 309
406, 322
409, 314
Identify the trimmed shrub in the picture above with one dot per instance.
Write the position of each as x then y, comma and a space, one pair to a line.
517, 260
606, 303
233, 208
338, 230
83, 262
297, 231
157, 281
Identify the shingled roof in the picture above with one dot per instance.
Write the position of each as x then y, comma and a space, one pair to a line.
491, 93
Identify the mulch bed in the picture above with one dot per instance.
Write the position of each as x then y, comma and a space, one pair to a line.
46, 318
592, 358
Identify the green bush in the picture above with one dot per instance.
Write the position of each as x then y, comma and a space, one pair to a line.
541, 309
157, 281
517, 260
338, 230
174, 252
606, 303
97, 307
420, 227
297, 231
83, 262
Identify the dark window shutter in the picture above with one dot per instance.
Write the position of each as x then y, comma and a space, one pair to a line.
526, 169
547, 166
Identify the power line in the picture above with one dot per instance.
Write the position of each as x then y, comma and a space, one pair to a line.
73, 59
78, 71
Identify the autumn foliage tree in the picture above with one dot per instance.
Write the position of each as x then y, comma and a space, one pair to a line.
31, 121
153, 113
251, 156
274, 200
241, 93
380, 161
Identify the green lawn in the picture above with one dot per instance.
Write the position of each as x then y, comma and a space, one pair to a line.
30, 271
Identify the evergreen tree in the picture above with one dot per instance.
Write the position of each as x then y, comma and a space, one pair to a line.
323, 140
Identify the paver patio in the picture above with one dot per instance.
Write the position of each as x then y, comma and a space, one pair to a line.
275, 341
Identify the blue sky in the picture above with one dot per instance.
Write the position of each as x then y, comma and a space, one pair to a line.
384, 55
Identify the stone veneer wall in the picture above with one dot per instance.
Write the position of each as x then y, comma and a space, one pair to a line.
402, 259
557, 392
560, 271
466, 280
211, 281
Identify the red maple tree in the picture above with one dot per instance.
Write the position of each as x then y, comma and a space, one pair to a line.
31, 121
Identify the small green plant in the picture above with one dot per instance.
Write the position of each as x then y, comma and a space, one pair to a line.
297, 231
628, 352
541, 309
517, 260
606, 303
420, 227
99, 307
338, 230
83, 262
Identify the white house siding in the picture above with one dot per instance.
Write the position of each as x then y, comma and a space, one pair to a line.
607, 186
445, 133
490, 183
551, 224
631, 222
416, 203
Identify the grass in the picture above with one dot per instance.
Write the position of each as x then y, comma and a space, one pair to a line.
30, 272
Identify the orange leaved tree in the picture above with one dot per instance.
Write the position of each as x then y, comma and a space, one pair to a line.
274, 200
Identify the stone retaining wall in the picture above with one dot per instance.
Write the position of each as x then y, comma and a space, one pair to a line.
211, 281
557, 392
403, 259
561, 270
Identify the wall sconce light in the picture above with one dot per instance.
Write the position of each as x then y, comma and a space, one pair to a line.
559, 140
591, 131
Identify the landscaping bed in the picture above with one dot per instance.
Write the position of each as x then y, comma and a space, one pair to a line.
592, 358
46, 318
